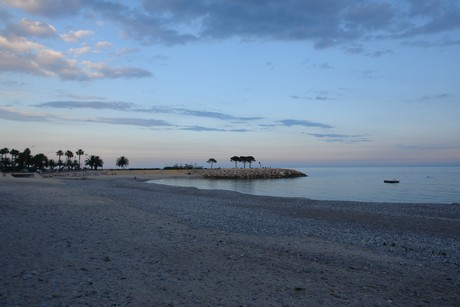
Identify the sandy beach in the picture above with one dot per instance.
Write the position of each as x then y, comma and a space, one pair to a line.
113, 239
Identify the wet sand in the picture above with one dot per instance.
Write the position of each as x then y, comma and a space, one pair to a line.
115, 240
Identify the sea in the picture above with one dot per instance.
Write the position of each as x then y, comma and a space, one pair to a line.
416, 184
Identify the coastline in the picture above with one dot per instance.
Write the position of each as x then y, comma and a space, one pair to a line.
147, 174
116, 240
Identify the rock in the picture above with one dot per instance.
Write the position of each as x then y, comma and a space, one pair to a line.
250, 173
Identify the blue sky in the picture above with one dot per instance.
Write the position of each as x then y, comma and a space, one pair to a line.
292, 83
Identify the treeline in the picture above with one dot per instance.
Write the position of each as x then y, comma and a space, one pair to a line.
15, 160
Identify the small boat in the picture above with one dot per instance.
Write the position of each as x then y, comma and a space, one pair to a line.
391, 181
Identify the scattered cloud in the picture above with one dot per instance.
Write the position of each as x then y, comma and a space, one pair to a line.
304, 123
206, 129
102, 71
425, 147
270, 65
19, 54
103, 44
80, 51
74, 36
132, 122
126, 106
379, 53
10, 114
323, 23
428, 98
48, 8
318, 95
341, 138
99, 105
27, 28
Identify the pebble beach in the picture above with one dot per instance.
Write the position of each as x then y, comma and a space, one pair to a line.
112, 239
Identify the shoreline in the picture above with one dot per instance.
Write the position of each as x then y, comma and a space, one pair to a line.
115, 240
219, 173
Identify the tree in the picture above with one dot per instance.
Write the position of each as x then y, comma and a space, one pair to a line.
14, 156
94, 162
211, 161
59, 153
122, 162
250, 159
246, 159
24, 159
40, 161
79, 153
3, 153
69, 156
235, 159
51, 164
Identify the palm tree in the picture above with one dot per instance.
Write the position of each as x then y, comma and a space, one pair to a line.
79, 153
59, 153
26, 157
94, 162
14, 156
211, 161
3, 153
235, 159
69, 156
122, 162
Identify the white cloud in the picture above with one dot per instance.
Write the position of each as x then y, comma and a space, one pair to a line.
22, 55
80, 51
27, 27
46, 7
19, 44
73, 36
103, 44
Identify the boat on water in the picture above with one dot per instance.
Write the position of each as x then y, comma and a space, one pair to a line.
391, 181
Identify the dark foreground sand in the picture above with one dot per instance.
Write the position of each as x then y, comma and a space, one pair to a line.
120, 241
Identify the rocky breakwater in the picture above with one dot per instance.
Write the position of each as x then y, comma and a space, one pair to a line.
251, 173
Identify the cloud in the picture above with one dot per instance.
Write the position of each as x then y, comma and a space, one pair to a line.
27, 27
80, 51
125, 106
6, 113
341, 138
99, 105
320, 96
206, 129
102, 71
19, 54
132, 122
304, 123
103, 44
210, 114
428, 98
425, 147
439, 17
48, 8
73, 36
325, 24
379, 53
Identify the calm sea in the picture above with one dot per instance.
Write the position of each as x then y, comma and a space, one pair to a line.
417, 184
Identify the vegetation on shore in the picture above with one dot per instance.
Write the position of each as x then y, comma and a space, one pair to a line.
16, 161
25, 161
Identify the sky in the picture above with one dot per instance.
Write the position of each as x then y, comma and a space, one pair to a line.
292, 83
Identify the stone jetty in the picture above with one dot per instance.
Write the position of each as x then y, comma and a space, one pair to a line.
250, 173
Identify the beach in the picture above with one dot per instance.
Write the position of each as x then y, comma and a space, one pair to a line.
111, 239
